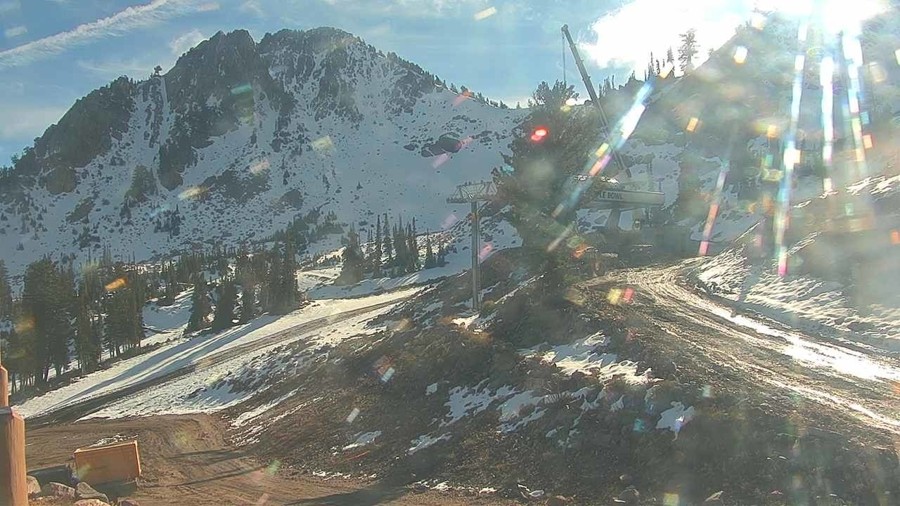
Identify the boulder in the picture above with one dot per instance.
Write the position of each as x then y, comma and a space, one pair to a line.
54, 489
128, 502
33, 486
85, 491
90, 502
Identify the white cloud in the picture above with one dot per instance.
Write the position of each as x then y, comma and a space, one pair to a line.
181, 44
8, 6
15, 31
115, 25
413, 8
252, 7
626, 37
24, 121
208, 6
118, 67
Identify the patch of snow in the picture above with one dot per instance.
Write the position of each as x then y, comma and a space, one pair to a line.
466, 401
187, 352
584, 355
249, 415
363, 439
675, 417
424, 441
431, 389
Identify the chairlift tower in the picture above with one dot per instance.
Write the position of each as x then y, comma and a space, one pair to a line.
473, 193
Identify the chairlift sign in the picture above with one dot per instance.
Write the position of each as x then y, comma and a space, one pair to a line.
642, 198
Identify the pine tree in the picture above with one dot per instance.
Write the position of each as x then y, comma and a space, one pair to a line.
369, 261
224, 315
288, 293
273, 282
401, 246
352, 270
688, 50
45, 303
430, 260
376, 251
6, 301
388, 244
247, 278
670, 57
200, 306
86, 350
412, 248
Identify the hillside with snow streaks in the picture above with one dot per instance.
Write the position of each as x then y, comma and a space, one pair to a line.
239, 139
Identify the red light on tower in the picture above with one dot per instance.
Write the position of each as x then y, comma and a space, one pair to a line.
539, 134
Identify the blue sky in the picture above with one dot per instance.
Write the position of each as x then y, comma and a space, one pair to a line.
54, 51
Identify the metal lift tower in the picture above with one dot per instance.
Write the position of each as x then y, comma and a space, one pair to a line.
473, 193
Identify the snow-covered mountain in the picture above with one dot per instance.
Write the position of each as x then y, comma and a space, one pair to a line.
240, 138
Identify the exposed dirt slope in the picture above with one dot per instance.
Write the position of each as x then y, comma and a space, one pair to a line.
186, 460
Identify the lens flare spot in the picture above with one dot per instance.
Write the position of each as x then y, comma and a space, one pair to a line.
614, 296
259, 167
897, 56
867, 141
539, 134
241, 89
25, 324
193, 192
115, 285
758, 20
439, 160
895, 237
772, 131
323, 144
462, 97
671, 499
877, 73
602, 150
449, 221
353, 414
485, 251
692, 125
740, 55
486, 13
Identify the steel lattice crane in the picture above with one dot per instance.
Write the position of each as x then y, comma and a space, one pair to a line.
595, 100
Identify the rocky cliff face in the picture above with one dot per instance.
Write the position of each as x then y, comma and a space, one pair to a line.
240, 138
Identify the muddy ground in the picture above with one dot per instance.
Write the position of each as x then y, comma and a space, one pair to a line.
186, 460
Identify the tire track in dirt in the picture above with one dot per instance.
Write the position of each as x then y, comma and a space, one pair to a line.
842, 378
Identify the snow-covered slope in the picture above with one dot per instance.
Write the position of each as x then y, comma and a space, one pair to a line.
240, 138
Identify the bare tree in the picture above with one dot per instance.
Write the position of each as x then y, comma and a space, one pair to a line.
688, 50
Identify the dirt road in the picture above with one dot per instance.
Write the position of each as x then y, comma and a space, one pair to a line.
841, 378
186, 460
